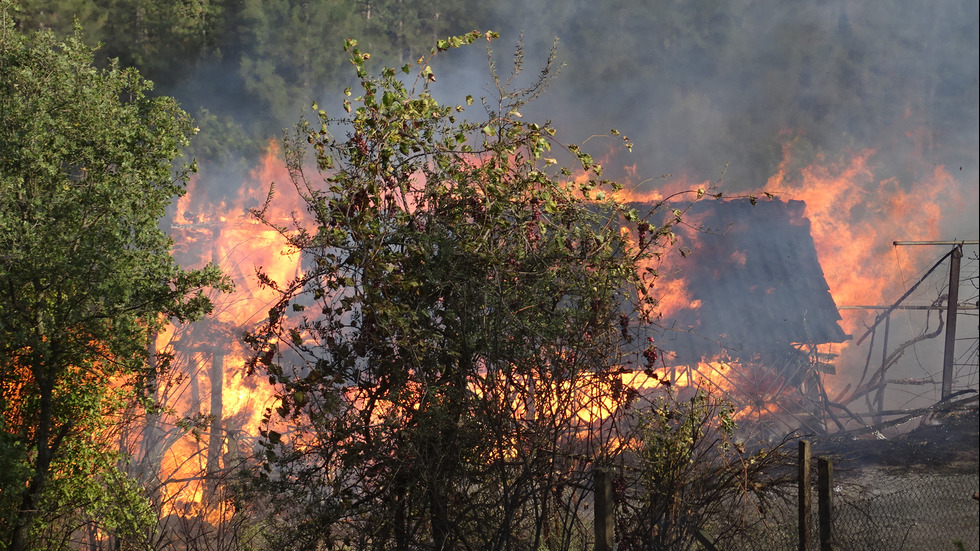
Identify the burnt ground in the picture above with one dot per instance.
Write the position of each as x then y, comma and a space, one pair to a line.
915, 490
938, 443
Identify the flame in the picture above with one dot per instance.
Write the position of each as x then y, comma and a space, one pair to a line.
854, 217
214, 403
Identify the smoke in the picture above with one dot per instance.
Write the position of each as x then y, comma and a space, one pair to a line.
701, 84
707, 90
758, 93
746, 94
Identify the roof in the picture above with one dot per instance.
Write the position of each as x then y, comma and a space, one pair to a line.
755, 282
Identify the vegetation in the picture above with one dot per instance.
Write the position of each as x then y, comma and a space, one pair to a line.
737, 77
460, 317
85, 279
448, 366
688, 481
274, 55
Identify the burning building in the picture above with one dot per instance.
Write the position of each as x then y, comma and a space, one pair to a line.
749, 308
755, 284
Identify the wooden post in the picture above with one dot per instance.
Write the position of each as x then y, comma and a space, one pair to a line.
951, 304
825, 501
804, 495
880, 395
604, 526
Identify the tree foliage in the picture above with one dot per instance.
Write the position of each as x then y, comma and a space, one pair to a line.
160, 37
686, 474
447, 359
86, 277
283, 60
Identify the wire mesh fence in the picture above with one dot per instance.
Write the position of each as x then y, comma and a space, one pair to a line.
907, 510
873, 508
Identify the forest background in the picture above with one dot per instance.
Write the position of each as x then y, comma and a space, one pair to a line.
704, 88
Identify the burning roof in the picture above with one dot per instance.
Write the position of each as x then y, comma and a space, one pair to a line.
754, 284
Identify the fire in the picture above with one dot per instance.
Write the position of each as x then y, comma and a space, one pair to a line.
854, 217
215, 408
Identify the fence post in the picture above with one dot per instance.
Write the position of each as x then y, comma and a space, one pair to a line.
951, 304
804, 493
825, 503
603, 510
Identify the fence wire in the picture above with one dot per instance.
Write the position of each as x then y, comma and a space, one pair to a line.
873, 509
910, 510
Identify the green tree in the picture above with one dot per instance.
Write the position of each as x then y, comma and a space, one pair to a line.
160, 37
285, 64
86, 277
447, 359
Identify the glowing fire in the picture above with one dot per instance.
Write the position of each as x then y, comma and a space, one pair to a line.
854, 218
211, 395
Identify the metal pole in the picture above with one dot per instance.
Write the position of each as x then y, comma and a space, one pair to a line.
954, 295
880, 395
960, 307
959, 243
882, 316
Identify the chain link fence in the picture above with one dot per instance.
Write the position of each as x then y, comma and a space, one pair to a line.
873, 508
907, 510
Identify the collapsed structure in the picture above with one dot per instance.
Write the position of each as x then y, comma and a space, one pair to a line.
755, 283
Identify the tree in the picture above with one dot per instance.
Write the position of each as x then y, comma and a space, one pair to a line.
86, 277
448, 363
160, 37
284, 63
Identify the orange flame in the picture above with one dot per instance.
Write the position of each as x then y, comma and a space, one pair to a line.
854, 217
212, 386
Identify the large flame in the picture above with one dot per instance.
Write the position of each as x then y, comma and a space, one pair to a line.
854, 217
213, 404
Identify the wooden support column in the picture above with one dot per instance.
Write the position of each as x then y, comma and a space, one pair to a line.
954, 296
804, 495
